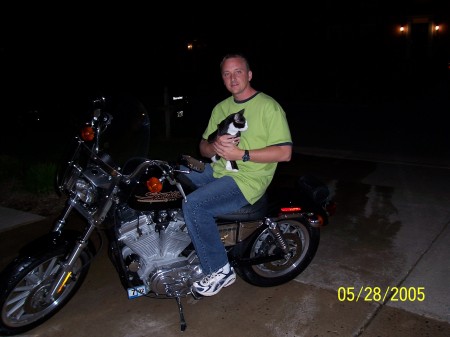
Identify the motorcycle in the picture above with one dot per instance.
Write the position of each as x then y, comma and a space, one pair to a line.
136, 207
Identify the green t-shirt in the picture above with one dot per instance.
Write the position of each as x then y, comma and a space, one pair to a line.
267, 125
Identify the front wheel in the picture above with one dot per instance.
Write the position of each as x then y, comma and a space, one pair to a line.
302, 240
24, 285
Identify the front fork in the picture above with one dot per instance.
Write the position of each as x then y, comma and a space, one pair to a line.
65, 272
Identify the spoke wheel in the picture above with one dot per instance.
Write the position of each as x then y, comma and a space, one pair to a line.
26, 283
302, 241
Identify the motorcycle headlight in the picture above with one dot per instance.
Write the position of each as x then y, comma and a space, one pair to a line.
85, 191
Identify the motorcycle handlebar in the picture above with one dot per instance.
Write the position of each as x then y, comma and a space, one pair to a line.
167, 173
165, 167
99, 102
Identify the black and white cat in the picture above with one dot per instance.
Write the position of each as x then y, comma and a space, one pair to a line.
232, 125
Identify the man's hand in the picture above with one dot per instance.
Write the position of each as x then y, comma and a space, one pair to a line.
226, 147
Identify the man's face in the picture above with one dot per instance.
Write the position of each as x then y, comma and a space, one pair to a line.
235, 75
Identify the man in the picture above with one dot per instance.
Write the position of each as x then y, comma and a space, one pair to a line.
257, 151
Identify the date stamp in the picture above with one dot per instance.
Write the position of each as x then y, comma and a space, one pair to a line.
379, 294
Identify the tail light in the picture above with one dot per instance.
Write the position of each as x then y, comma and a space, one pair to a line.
291, 209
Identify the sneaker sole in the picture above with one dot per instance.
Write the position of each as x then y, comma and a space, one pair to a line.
229, 282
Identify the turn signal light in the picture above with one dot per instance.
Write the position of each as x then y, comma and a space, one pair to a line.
87, 133
320, 219
154, 185
316, 220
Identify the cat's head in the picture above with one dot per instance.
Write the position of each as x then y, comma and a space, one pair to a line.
239, 121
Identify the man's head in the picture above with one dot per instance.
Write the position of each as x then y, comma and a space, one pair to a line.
236, 74
228, 56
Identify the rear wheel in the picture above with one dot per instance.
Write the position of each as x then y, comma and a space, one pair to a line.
302, 241
24, 285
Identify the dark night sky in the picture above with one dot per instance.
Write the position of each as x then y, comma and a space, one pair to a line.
312, 53
135, 48
130, 44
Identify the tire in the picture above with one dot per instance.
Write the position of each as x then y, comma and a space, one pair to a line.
302, 240
25, 281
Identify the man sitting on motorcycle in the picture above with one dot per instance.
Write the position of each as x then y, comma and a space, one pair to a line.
258, 150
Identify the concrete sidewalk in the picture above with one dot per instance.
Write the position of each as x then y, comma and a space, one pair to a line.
381, 269
10, 218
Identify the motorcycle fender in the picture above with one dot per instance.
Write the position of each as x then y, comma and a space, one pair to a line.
54, 240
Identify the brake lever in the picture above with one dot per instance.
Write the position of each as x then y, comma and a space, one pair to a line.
182, 171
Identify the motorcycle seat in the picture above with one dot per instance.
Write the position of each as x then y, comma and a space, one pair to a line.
249, 212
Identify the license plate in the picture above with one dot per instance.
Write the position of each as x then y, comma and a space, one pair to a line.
136, 292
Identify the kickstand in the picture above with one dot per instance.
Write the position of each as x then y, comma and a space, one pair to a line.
180, 309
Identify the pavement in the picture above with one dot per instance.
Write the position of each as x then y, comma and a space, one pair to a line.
10, 218
382, 267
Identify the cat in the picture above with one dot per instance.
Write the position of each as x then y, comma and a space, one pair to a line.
231, 125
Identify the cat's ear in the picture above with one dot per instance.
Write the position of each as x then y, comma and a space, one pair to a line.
241, 112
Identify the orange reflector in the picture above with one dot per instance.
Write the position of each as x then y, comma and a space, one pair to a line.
154, 185
87, 133
290, 209
320, 219
64, 282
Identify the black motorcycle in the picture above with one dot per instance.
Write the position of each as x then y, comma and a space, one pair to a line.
137, 208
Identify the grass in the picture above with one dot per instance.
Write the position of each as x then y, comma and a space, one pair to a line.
37, 176
9, 167
19, 176
40, 178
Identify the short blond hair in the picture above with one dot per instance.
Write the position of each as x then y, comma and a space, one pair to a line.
230, 56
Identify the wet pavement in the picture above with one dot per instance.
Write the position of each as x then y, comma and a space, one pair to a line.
381, 268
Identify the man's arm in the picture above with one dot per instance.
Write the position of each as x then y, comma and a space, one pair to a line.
225, 147
206, 149
269, 154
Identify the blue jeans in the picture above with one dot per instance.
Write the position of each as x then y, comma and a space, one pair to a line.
212, 197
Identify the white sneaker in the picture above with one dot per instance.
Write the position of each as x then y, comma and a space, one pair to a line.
211, 284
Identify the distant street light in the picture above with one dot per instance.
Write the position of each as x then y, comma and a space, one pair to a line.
402, 30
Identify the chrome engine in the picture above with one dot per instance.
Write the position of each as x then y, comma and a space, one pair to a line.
153, 243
